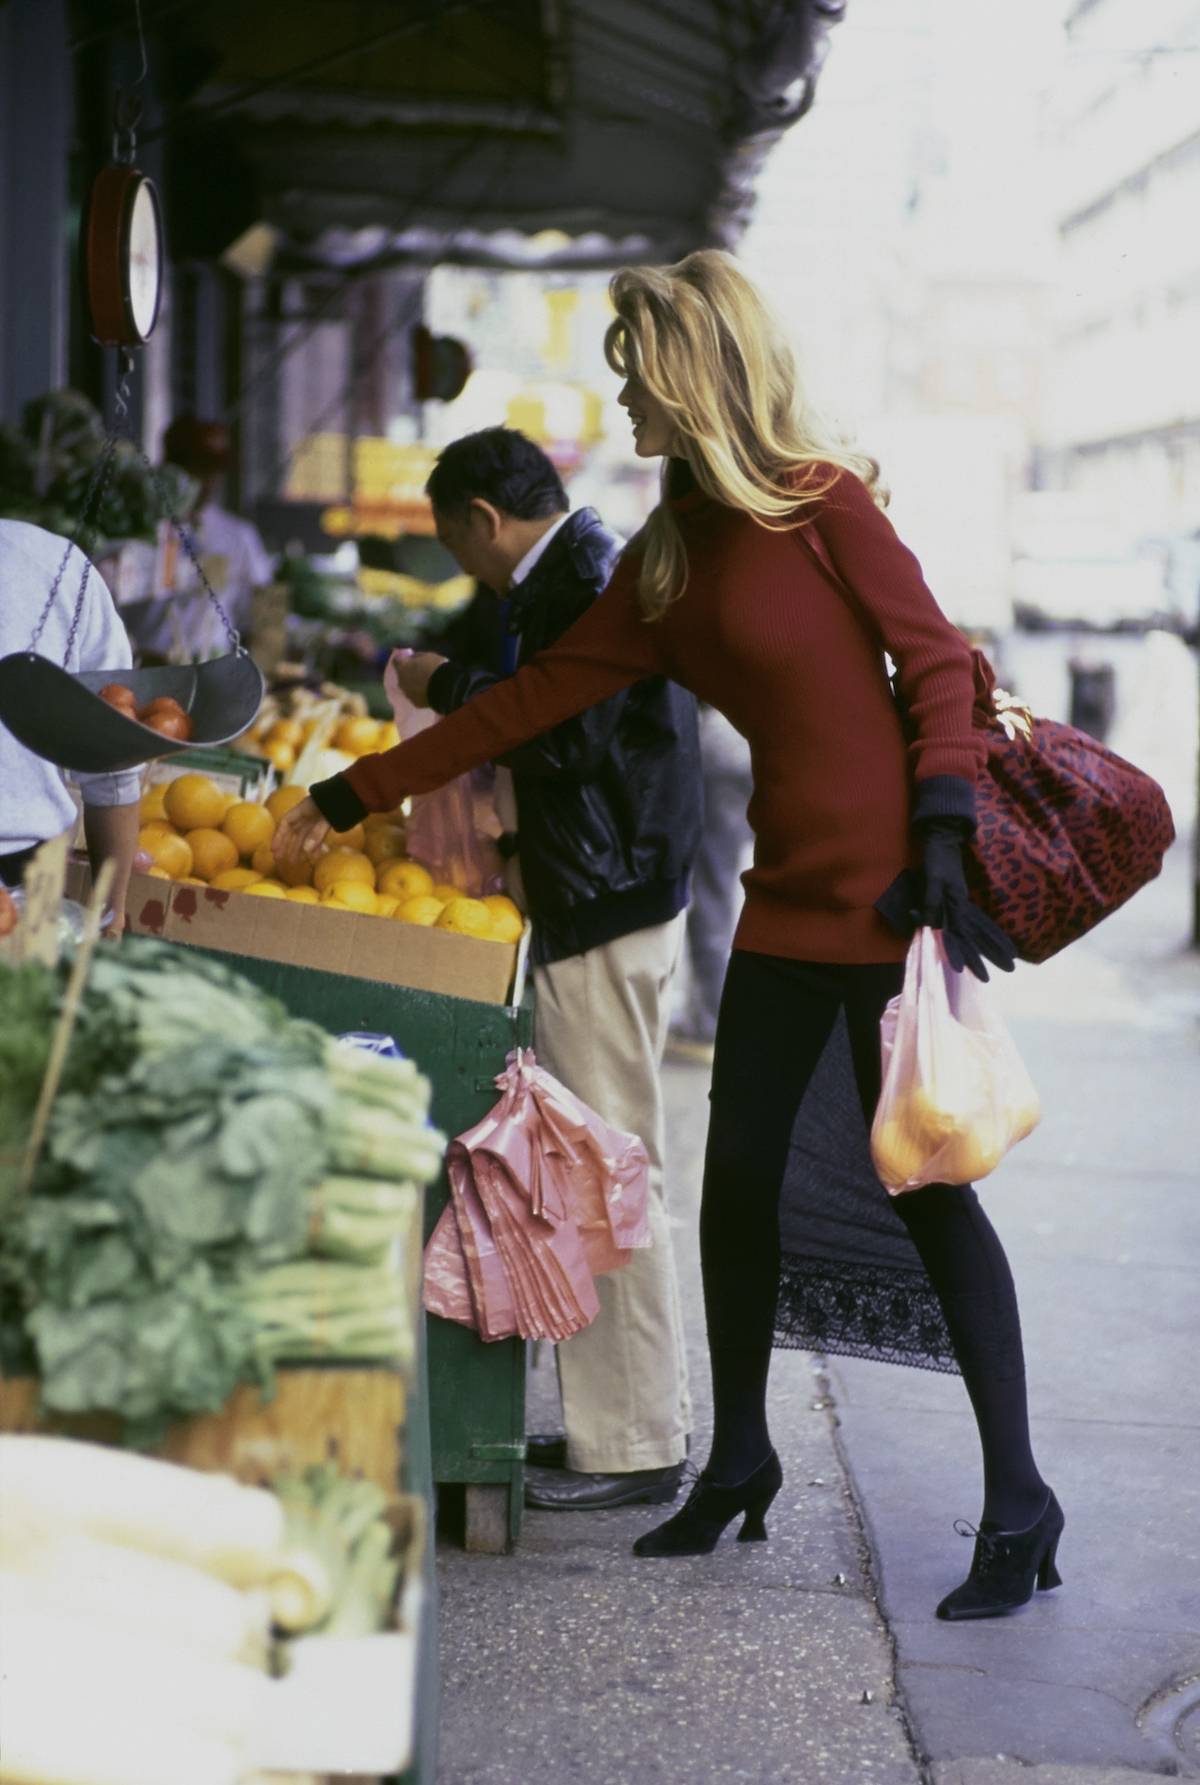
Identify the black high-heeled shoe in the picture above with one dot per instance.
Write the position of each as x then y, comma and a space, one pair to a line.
1006, 1565
709, 1507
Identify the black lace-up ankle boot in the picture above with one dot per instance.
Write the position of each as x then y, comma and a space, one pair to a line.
698, 1524
1006, 1565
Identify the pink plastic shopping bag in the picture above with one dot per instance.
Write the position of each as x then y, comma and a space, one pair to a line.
956, 1095
453, 830
544, 1196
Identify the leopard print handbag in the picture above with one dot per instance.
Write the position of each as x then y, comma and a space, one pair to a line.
1066, 830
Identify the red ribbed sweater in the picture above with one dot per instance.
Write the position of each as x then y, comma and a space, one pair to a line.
762, 634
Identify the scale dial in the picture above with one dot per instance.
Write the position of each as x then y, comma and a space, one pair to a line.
123, 256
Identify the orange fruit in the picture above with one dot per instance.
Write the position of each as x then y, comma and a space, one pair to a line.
193, 803
344, 864
159, 874
421, 909
404, 879
357, 736
374, 820
267, 889
248, 826
151, 806
303, 895
283, 799
389, 735
192, 880
291, 873
166, 850
441, 889
384, 843
507, 923
351, 839
282, 756
212, 852
354, 895
467, 917
286, 731
387, 905
235, 879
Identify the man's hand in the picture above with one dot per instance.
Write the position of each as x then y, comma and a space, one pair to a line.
409, 673
300, 834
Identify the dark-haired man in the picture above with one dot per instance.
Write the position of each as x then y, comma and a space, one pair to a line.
608, 822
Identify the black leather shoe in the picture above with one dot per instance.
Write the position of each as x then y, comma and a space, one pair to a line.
546, 1450
568, 1490
1006, 1565
697, 1526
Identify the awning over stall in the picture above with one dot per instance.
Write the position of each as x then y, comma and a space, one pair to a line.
503, 132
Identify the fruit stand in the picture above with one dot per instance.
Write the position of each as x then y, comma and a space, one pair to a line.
447, 989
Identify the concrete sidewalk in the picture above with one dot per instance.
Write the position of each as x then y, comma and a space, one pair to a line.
816, 1659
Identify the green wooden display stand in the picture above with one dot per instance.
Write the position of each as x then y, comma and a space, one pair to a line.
476, 1391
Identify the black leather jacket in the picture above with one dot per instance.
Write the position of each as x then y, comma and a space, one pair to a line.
609, 803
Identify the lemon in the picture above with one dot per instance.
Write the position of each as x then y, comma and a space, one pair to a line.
387, 905
235, 879
303, 895
403, 879
507, 923
441, 889
267, 889
248, 826
151, 803
354, 896
384, 843
283, 799
358, 736
421, 909
468, 917
344, 864
212, 852
167, 851
193, 802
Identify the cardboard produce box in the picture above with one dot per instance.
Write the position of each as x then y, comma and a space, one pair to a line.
376, 948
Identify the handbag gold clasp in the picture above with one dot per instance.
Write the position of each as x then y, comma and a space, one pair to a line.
1013, 716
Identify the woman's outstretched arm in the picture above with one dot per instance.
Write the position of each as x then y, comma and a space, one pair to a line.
608, 648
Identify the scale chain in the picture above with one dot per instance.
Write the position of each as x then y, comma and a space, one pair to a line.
93, 495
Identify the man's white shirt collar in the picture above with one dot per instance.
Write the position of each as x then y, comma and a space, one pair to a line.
535, 552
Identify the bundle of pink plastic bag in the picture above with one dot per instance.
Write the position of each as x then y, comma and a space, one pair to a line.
544, 1197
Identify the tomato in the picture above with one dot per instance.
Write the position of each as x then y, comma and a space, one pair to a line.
168, 724
118, 695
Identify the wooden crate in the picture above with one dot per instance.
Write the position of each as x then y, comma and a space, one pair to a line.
354, 1417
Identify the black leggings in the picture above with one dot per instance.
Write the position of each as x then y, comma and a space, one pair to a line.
776, 1018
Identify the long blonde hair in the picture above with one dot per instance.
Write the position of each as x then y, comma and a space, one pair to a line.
700, 338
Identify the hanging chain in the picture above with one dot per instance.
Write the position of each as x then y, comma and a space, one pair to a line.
93, 497
184, 534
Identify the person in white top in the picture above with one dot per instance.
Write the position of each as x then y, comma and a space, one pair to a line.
34, 802
187, 627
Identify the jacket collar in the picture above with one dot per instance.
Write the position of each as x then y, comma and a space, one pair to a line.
583, 537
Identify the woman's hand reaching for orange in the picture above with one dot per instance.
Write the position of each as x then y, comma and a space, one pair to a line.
300, 834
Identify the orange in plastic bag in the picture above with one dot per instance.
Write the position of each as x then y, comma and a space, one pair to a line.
956, 1095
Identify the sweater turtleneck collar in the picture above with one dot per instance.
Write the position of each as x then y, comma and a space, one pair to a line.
683, 493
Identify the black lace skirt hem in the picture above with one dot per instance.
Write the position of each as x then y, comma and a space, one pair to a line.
884, 1313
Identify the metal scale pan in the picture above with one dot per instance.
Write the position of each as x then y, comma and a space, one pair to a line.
60, 716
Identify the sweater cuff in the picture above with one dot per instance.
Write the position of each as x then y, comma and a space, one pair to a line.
944, 796
442, 692
338, 803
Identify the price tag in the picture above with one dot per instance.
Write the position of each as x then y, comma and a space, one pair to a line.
37, 935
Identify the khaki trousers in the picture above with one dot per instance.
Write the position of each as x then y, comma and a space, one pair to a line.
600, 1025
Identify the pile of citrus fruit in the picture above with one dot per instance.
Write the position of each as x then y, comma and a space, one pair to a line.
195, 833
286, 723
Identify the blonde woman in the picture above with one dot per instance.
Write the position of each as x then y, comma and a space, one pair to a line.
770, 583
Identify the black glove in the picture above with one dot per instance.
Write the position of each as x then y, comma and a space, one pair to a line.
944, 904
